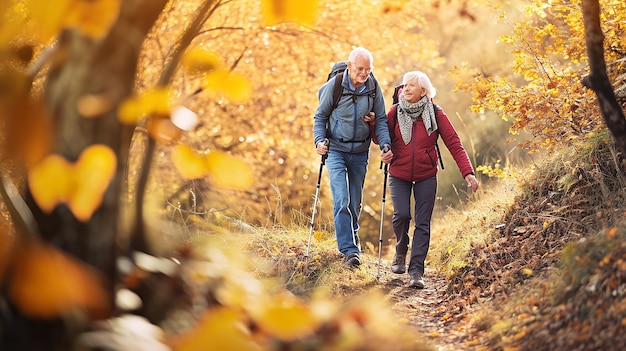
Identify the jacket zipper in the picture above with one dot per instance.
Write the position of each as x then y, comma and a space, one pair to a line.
413, 138
354, 122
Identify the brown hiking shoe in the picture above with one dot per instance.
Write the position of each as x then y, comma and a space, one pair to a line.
398, 265
352, 261
417, 281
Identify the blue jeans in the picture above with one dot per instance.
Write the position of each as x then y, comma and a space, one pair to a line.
346, 172
424, 193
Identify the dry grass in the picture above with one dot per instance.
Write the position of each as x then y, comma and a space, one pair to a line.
455, 234
551, 277
505, 254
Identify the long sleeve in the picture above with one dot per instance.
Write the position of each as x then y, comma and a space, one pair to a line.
381, 127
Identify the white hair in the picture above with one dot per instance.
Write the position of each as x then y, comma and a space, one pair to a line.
422, 80
360, 51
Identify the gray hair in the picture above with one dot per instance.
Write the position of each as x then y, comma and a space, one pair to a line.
360, 51
422, 80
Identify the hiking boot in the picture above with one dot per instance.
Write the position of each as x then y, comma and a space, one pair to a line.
398, 265
352, 260
417, 281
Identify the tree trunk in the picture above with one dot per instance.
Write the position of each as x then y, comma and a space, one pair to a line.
598, 79
105, 67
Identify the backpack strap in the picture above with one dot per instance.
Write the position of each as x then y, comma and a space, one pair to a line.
338, 91
436, 143
395, 122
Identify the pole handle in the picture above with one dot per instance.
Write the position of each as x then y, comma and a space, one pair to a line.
325, 156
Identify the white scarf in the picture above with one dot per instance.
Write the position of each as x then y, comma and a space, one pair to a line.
408, 113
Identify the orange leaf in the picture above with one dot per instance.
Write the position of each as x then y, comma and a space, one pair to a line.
6, 246
29, 134
94, 105
163, 130
47, 283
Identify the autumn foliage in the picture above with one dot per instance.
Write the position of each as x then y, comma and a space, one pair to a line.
78, 272
544, 96
216, 97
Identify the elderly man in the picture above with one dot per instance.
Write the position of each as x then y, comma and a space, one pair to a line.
342, 132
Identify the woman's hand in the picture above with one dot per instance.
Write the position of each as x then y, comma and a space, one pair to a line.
386, 155
471, 182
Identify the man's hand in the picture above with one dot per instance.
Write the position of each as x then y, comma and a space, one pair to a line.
322, 147
386, 154
370, 117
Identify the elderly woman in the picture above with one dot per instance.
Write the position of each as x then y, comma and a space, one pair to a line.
415, 123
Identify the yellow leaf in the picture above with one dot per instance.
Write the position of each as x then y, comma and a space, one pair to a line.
228, 171
157, 101
47, 17
221, 329
301, 12
154, 101
93, 18
49, 181
188, 163
130, 111
12, 22
235, 86
46, 283
199, 60
92, 173
286, 318
81, 186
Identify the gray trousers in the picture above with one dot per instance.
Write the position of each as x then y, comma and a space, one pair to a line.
424, 193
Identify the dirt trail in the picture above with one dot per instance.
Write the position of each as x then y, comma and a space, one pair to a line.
430, 310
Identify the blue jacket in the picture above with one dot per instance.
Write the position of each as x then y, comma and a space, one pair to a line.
348, 130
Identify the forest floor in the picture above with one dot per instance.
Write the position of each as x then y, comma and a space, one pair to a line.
550, 276
426, 310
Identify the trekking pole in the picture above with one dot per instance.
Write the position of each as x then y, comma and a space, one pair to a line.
317, 191
382, 214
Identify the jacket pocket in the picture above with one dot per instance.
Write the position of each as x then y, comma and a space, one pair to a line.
432, 157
